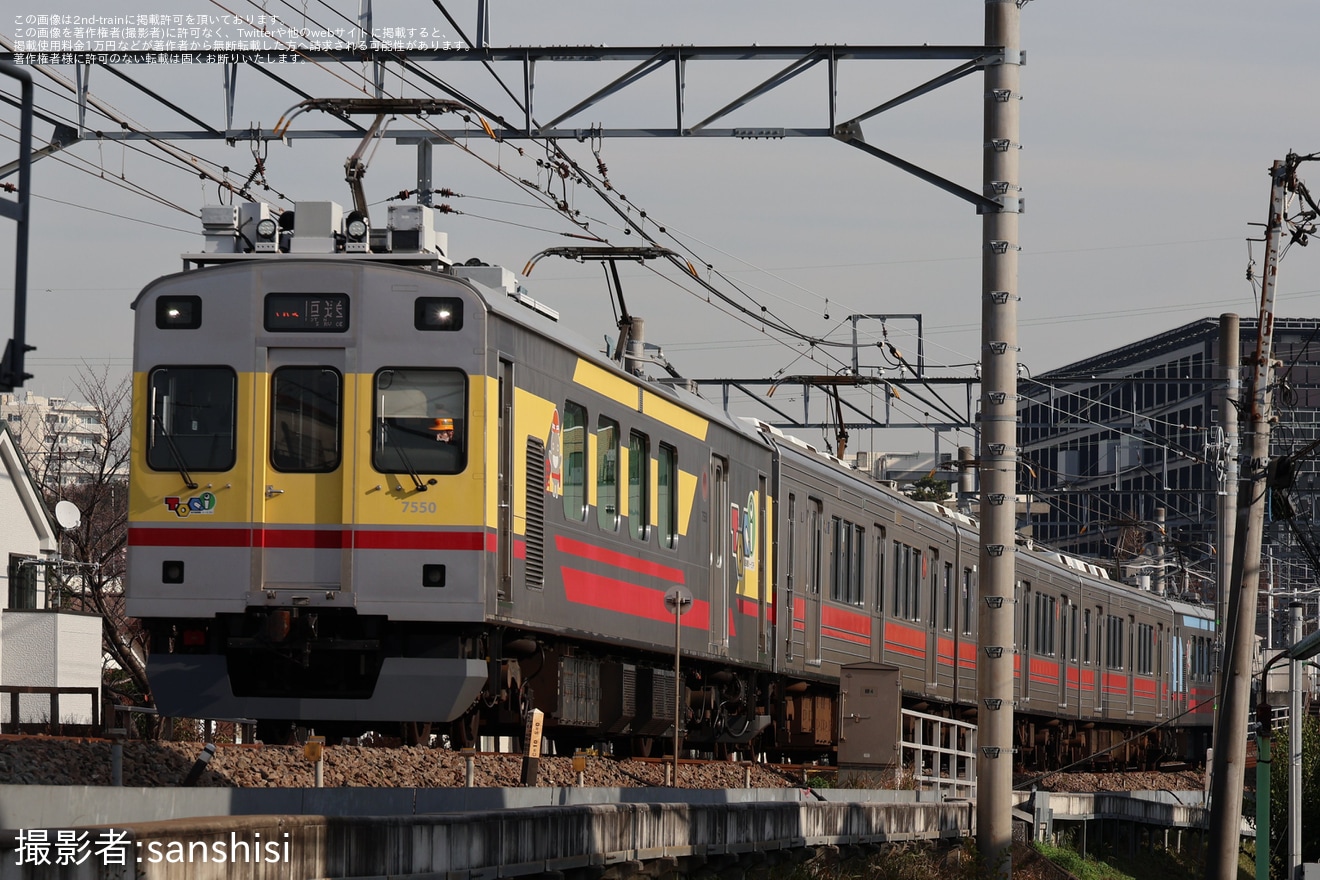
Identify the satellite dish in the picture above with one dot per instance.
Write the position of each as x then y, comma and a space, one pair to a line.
68, 515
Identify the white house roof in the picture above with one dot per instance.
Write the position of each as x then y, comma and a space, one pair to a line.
14, 467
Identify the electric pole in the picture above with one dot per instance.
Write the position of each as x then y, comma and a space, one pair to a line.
1227, 771
998, 460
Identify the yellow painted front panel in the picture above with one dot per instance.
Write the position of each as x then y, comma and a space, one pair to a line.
392, 499
149, 489
286, 498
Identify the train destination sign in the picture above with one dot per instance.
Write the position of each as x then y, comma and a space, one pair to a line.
307, 312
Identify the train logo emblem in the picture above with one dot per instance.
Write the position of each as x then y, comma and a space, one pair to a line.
200, 505
554, 460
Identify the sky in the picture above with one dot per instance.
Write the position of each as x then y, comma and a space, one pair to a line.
1147, 131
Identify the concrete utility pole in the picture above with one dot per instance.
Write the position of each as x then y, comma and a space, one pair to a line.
1230, 369
998, 469
1294, 750
1231, 747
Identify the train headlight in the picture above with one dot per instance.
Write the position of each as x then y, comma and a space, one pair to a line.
438, 313
179, 312
266, 229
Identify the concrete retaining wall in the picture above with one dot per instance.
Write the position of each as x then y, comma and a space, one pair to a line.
503, 843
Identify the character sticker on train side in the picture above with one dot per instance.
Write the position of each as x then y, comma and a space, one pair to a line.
742, 525
554, 459
198, 505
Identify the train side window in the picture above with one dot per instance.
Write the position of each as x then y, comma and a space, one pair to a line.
639, 485
1086, 635
607, 474
880, 568
1072, 648
306, 417
667, 496
1022, 595
908, 575
846, 583
420, 421
946, 599
1114, 642
192, 418
968, 601
573, 439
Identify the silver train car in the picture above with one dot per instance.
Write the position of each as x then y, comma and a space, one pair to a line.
372, 487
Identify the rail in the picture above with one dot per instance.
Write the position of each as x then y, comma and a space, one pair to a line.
941, 753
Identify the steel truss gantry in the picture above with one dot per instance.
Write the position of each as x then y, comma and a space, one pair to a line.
647, 63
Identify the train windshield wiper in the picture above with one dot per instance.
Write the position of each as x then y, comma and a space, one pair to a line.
174, 451
407, 463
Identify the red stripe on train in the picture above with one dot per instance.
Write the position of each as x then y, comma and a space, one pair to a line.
584, 550
611, 594
310, 539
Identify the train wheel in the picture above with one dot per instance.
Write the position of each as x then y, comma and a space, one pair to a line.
275, 732
416, 733
643, 746
465, 732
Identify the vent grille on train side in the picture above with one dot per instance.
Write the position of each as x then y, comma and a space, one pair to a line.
535, 561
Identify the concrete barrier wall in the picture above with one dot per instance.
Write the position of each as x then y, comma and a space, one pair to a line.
481, 844
63, 806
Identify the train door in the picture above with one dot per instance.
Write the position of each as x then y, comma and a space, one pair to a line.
764, 584
721, 555
787, 615
504, 516
933, 619
811, 595
301, 485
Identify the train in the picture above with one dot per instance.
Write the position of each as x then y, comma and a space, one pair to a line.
376, 488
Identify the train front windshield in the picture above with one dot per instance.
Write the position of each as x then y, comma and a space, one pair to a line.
420, 421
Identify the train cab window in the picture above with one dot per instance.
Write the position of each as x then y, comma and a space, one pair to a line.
607, 474
191, 418
305, 419
420, 424
573, 439
639, 485
667, 496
